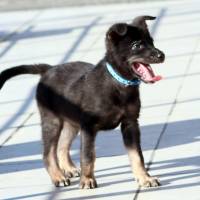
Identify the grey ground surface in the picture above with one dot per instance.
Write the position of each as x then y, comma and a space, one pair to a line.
170, 117
39, 4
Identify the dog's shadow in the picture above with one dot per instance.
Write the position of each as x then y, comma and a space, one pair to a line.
108, 144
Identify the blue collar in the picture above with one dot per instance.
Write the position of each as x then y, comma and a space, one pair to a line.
116, 76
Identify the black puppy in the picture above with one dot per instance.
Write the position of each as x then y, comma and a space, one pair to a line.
78, 96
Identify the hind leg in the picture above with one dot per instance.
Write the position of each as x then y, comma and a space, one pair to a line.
51, 128
66, 138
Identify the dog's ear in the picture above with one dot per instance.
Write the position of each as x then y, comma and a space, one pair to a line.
117, 30
140, 22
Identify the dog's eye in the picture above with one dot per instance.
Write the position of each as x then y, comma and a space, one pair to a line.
136, 45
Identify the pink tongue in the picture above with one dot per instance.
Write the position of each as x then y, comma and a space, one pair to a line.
147, 73
157, 78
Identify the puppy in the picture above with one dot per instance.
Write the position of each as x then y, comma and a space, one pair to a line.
79, 96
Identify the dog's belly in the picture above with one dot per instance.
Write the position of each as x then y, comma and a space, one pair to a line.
110, 125
110, 121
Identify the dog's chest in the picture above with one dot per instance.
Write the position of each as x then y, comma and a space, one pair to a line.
110, 119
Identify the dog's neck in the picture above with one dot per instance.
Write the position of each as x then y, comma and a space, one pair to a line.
120, 79
119, 67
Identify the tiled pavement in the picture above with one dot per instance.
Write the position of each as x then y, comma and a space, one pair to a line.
170, 118
6, 5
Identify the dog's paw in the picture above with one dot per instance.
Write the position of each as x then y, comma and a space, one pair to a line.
148, 181
58, 177
61, 179
88, 183
72, 172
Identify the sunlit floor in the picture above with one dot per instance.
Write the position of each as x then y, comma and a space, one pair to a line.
170, 117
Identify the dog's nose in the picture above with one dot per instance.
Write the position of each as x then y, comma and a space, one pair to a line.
161, 55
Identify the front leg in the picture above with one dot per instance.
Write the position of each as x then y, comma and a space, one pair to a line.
131, 138
87, 180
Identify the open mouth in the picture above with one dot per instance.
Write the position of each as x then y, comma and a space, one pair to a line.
145, 72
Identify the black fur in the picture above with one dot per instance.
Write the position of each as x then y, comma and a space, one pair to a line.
22, 69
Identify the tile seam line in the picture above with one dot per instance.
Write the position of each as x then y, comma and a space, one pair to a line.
19, 28
168, 116
15, 131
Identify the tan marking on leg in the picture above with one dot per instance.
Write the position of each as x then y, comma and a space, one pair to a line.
137, 164
65, 162
139, 171
52, 167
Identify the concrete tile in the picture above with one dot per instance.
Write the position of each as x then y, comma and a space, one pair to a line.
21, 157
189, 90
9, 124
194, 69
188, 110
27, 185
62, 47
154, 93
178, 171
10, 24
26, 134
18, 108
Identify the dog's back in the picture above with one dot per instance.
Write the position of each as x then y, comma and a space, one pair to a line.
65, 75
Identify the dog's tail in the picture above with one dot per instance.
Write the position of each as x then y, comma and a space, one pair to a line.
22, 69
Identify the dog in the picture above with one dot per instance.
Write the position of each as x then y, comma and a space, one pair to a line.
80, 97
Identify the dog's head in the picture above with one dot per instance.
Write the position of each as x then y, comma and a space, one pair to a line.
131, 50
